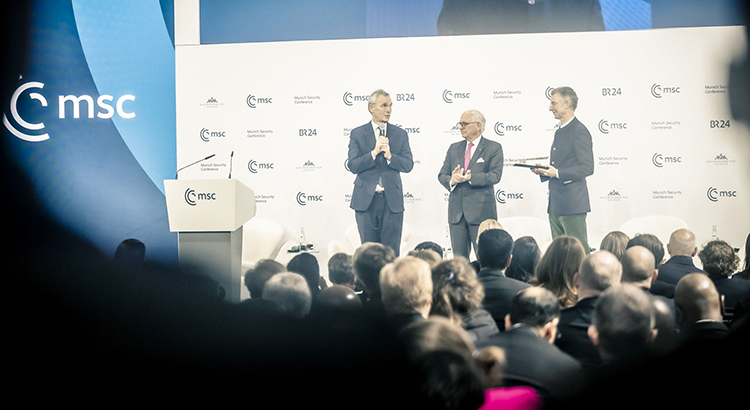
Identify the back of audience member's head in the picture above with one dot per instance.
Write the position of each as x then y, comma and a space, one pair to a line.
406, 286
434, 246
441, 353
290, 292
335, 301
682, 243
368, 260
719, 259
638, 266
650, 242
449, 381
306, 264
623, 323
526, 255
341, 270
615, 242
257, 276
696, 299
598, 271
536, 307
427, 255
558, 266
494, 248
436, 333
130, 253
456, 288
488, 224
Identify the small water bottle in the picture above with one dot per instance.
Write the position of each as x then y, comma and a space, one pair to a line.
302, 239
713, 233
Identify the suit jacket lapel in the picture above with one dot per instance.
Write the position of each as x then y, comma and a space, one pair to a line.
477, 152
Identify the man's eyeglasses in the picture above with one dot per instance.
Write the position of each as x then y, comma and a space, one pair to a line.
464, 124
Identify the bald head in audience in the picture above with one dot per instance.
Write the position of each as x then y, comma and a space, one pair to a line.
638, 267
682, 242
697, 299
598, 271
623, 324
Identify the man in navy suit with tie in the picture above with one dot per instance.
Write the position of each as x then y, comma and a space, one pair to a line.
571, 161
378, 153
471, 169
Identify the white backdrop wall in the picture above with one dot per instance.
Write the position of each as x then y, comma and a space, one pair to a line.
654, 101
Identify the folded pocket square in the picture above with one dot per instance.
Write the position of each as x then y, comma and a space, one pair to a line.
480, 160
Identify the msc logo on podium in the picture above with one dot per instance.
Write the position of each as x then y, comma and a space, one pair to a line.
192, 198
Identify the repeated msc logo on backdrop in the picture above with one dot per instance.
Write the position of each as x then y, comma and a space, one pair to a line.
548, 92
207, 135
349, 98
605, 126
503, 197
255, 166
253, 101
449, 96
303, 198
192, 198
501, 128
716, 194
659, 91
410, 130
105, 107
660, 160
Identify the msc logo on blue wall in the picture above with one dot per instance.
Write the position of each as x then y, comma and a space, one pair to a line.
105, 107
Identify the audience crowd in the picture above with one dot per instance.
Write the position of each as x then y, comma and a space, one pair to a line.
522, 328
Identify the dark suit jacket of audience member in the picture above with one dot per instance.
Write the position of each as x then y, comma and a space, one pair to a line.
573, 333
675, 268
498, 292
479, 324
662, 289
733, 289
705, 330
668, 301
533, 361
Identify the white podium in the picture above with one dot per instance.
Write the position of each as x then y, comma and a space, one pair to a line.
208, 216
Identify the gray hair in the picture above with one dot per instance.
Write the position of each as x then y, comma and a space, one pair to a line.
478, 117
374, 96
567, 94
290, 292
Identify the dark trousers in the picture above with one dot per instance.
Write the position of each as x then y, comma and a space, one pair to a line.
379, 224
463, 237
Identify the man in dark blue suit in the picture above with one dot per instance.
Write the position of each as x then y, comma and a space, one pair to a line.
378, 153
571, 161
682, 249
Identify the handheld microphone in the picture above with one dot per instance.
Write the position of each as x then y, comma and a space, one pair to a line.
190, 165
